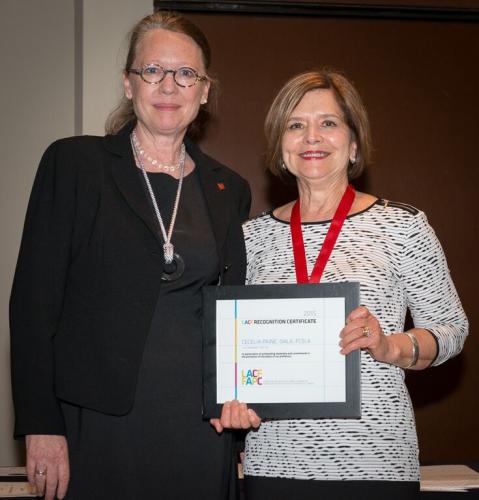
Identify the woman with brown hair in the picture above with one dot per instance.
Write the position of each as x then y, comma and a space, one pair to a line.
121, 234
318, 135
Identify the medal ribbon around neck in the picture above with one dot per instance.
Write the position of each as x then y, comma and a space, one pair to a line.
329, 241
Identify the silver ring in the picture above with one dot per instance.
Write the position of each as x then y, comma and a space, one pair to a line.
366, 331
41, 472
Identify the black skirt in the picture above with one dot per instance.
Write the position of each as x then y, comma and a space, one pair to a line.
266, 488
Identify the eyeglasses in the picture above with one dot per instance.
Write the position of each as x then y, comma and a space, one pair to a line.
154, 73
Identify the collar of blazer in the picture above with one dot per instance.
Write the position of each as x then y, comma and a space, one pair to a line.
210, 173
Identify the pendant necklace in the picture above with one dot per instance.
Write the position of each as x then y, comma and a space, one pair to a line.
174, 265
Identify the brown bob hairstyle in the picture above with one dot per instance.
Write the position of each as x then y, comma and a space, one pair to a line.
166, 20
288, 98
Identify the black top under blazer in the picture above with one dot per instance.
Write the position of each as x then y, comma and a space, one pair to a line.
88, 275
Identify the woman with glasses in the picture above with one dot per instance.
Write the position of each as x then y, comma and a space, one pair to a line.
121, 234
318, 136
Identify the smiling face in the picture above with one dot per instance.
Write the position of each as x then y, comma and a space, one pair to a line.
317, 144
165, 108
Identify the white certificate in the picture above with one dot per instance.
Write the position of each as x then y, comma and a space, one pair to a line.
276, 347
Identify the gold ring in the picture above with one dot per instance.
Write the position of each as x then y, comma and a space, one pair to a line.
366, 331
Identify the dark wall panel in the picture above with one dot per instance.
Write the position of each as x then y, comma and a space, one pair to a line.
420, 82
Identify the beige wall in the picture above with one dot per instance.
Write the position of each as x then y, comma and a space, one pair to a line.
38, 106
106, 24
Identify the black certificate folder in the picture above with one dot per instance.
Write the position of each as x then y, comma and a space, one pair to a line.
276, 348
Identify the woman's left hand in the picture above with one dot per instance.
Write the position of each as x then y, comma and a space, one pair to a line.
363, 331
236, 415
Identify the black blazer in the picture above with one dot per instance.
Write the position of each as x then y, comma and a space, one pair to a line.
88, 275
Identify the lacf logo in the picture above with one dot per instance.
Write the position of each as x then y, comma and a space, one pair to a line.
252, 377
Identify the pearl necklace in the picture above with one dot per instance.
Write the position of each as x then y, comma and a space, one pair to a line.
153, 161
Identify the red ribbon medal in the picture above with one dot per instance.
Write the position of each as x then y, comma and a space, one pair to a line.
329, 242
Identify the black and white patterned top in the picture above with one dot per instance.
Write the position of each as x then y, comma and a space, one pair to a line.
395, 255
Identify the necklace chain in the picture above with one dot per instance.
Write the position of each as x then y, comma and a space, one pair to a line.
163, 166
168, 248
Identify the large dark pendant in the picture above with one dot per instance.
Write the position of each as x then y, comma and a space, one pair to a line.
174, 270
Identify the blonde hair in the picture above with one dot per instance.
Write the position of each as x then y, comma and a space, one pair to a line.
289, 97
124, 113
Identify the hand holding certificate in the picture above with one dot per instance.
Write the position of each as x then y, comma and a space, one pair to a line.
276, 348
236, 415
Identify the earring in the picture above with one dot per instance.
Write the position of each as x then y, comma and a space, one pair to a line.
204, 100
283, 165
352, 161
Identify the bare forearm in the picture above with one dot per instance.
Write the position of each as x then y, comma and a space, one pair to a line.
402, 349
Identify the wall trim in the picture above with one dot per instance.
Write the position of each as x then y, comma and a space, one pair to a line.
78, 68
292, 8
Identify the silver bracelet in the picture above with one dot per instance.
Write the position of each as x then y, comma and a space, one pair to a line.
415, 350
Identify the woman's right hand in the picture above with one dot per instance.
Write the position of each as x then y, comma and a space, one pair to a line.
236, 415
48, 468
